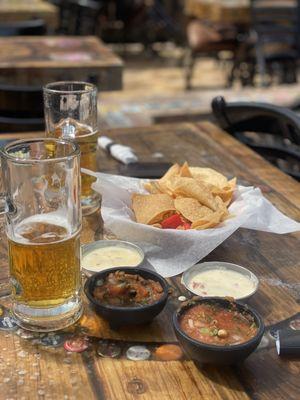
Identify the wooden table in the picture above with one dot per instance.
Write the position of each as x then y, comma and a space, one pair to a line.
236, 11
227, 11
24, 10
37, 60
31, 370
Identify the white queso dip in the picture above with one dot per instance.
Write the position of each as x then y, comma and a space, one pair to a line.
221, 282
110, 256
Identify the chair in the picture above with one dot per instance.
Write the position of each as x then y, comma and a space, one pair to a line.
204, 40
275, 30
271, 131
79, 17
31, 27
21, 109
87, 12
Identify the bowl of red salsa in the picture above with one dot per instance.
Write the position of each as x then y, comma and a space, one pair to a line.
127, 295
217, 330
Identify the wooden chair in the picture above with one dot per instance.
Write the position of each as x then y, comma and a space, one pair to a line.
79, 17
204, 40
31, 28
271, 131
275, 30
21, 109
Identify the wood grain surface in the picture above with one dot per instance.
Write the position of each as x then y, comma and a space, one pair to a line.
219, 11
232, 11
37, 60
31, 370
24, 10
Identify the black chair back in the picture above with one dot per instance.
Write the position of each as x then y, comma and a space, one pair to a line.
21, 108
79, 17
31, 27
277, 31
87, 17
277, 130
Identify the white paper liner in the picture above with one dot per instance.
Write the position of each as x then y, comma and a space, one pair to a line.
172, 251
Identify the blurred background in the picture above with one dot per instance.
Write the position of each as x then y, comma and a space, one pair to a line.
179, 54
154, 61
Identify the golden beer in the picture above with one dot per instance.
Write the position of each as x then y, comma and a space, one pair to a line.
86, 138
43, 223
44, 262
88, 160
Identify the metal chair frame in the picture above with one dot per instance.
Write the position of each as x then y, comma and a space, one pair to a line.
240, 117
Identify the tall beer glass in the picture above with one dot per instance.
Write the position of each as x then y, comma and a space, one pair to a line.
71, 113
43, 223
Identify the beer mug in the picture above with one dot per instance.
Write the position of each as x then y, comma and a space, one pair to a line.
41, 181
71, 113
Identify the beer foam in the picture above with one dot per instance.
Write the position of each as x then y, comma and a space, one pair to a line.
52, 219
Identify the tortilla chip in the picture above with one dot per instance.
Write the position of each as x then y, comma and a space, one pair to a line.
191, 209
172, 171
157, 225
185, 171
232, 183
189, 187
210, 221
222, 209
226, 196
152, 187
227, 192
163, 182
152, 208
227, 202
166, 187
210, 176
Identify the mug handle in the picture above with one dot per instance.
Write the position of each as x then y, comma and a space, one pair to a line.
2, 194
5, 288
2, 204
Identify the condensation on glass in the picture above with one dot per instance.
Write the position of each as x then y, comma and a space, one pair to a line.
43, 222
71, 113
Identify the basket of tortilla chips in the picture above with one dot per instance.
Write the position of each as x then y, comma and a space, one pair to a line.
199, 207
185, 198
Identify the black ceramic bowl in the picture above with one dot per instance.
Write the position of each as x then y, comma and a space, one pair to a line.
213, 354
118, 316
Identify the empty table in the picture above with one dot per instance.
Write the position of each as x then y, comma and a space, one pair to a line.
37, 60
23, 10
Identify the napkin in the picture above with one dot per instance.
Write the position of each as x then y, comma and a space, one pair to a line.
171, 252
120, 152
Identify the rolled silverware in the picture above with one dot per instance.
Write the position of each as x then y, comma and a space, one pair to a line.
120, 152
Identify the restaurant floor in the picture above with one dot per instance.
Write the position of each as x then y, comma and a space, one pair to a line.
153, 91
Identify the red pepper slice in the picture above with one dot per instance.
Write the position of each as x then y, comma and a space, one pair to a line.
171, 222
187, 225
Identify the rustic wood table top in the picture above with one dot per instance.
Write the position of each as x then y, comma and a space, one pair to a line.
37, 60
219, 11
24, 10
33, 368
227, 11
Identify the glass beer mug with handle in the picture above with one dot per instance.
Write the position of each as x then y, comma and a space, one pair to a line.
41, 181
71, 113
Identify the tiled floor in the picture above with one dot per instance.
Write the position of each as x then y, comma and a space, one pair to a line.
154, 92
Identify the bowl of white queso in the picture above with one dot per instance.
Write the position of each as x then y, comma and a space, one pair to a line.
220, 279
104, 254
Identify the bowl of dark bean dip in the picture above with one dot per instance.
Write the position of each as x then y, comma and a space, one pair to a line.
127, 295
217, 330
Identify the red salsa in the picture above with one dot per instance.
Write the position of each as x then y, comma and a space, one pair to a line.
123, 289
217, 324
